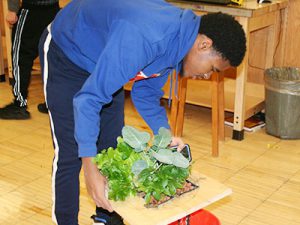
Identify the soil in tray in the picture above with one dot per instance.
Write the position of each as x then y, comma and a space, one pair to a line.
188, 187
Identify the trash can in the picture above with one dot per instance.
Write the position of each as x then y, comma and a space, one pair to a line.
282, 99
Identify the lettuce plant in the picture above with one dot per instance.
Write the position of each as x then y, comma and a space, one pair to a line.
140, 164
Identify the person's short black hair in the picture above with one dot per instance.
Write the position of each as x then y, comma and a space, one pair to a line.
227, 35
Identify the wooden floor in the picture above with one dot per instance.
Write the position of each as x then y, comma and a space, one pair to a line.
263, 171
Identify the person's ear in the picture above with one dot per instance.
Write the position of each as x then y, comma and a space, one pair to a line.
204, 42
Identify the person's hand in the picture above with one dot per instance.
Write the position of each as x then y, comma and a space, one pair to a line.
11, 18
177, 141
96, 184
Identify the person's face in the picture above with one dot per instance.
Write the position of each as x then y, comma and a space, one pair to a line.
202, 60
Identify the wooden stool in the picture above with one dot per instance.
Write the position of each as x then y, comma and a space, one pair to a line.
217, 105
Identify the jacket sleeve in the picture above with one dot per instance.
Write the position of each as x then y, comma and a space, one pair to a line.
125, 53
13, 5
146, 95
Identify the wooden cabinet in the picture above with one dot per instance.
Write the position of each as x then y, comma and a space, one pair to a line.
292, 44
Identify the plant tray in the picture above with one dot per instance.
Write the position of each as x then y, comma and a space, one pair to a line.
193, 187
134, 212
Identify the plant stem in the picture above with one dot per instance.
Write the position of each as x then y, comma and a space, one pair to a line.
159, 165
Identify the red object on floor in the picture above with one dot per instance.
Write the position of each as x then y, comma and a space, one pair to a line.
201, 217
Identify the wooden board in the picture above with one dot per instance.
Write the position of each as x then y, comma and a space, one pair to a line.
135, 213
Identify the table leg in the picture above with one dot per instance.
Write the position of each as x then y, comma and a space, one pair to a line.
241, 79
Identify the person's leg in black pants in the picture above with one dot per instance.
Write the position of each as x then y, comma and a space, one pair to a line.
112, 122
25, 38
63, 80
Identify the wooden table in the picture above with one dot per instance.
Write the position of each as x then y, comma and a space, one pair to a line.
253, 17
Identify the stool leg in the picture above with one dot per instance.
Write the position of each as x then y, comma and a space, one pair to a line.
174, 108
215, 115
182, 96
217, 104
221, 107
178, 103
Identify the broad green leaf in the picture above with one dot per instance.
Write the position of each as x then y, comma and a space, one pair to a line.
110, 153
156, 195
179, 160
164, 183
164, 156
140, 148
183, 172
135, 138
120, 140
163, 138
132, 158
172, 189
147, 198
138, 166
167, 191
177, 184
125, 149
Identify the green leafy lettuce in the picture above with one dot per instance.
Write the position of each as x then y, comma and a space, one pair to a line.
136, 166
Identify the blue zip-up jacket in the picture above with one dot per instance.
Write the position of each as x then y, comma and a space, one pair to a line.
113, 40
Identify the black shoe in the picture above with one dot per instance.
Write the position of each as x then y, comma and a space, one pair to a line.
42, 107
14, 112
107, 218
